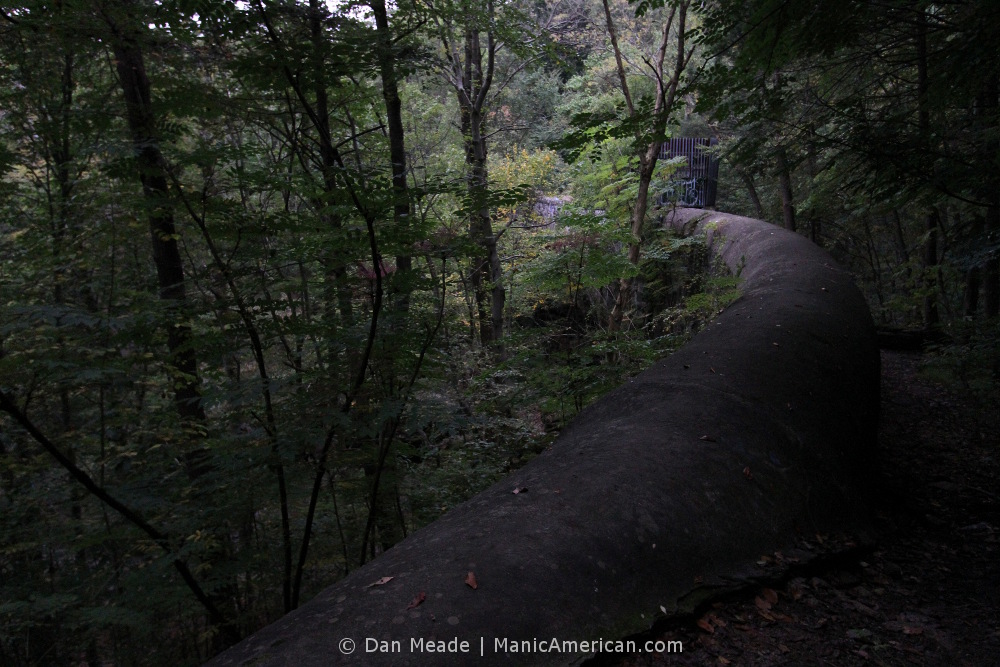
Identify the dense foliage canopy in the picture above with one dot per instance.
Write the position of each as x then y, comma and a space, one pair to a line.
282, 280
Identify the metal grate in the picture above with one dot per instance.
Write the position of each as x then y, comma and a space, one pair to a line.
694, 183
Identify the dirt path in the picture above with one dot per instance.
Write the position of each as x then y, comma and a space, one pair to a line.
928, 594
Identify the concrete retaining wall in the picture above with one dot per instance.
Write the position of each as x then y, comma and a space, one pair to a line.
662, 493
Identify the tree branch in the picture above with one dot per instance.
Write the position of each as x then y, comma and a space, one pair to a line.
8, 405
618, 58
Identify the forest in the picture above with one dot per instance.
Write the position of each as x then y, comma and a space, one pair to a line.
282, 281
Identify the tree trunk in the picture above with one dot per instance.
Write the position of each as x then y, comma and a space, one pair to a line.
486, 272
401, 213
152, 167
785, 183
752, 193
647, 165
336, 266
182, 361
933, 222
384, 491
970, 295
932, 319
666, 93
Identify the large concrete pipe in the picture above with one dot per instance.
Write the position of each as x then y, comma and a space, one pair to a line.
757, 433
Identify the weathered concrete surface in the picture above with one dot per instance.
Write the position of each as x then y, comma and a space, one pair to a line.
643, 504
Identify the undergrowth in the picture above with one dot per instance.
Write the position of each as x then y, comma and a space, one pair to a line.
493, 417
